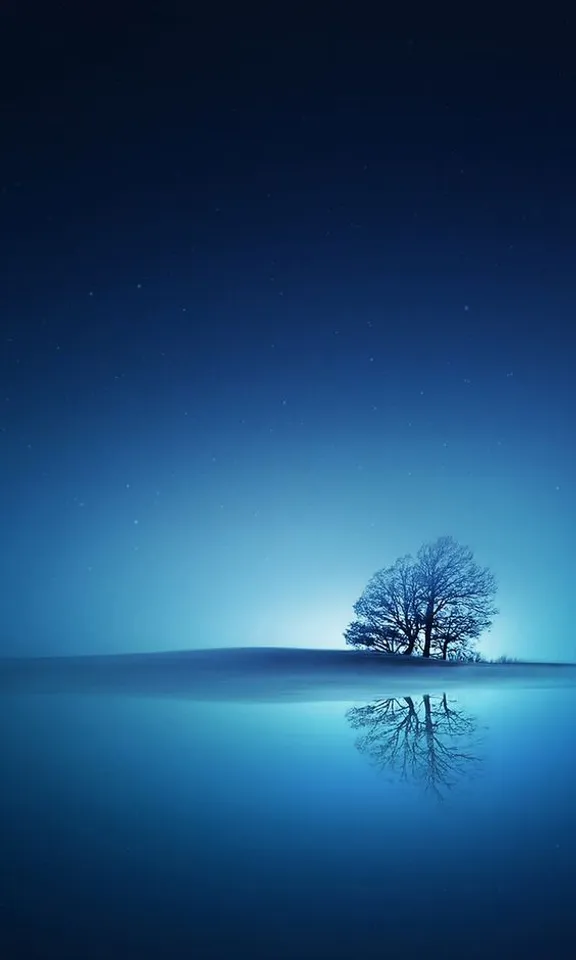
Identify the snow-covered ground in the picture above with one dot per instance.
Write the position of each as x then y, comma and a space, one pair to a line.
268, 674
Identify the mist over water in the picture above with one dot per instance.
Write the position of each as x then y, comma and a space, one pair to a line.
166, 826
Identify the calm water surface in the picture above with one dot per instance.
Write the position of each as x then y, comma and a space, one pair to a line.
165, 828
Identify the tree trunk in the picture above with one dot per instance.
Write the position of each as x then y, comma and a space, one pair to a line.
427, 636
428, 624
445, 650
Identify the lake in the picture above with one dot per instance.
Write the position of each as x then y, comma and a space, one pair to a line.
439, 823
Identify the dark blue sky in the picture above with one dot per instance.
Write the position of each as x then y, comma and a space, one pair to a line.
279, 300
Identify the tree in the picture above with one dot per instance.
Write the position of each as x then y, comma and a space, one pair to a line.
388, 614
455, 632
466, 653
437, 604
455, 590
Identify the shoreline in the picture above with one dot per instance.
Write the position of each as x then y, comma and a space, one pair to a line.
267, 674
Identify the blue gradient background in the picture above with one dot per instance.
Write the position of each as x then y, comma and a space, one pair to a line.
282, 296
272, 316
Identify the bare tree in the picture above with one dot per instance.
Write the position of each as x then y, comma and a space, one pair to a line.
388, 611
437, 604
428, 740
453, 589
455, 632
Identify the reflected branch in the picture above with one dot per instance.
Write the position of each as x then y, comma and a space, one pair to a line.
430, 740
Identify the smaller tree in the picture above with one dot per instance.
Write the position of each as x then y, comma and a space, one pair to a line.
455, 633
388, 616
454, 588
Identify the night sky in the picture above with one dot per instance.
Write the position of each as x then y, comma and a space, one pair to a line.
282, 296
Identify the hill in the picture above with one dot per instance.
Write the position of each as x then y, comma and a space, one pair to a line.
266, 674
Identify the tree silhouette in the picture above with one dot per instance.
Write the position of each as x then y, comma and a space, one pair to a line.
457, 595
389, 616
437, 604
455, 632
427, 739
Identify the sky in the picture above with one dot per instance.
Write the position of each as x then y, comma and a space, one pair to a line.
280, 300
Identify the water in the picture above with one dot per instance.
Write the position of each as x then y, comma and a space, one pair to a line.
151, 827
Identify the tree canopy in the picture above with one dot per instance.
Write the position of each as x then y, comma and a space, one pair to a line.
435, 604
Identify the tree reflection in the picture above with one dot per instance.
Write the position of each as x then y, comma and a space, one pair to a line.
429, 740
